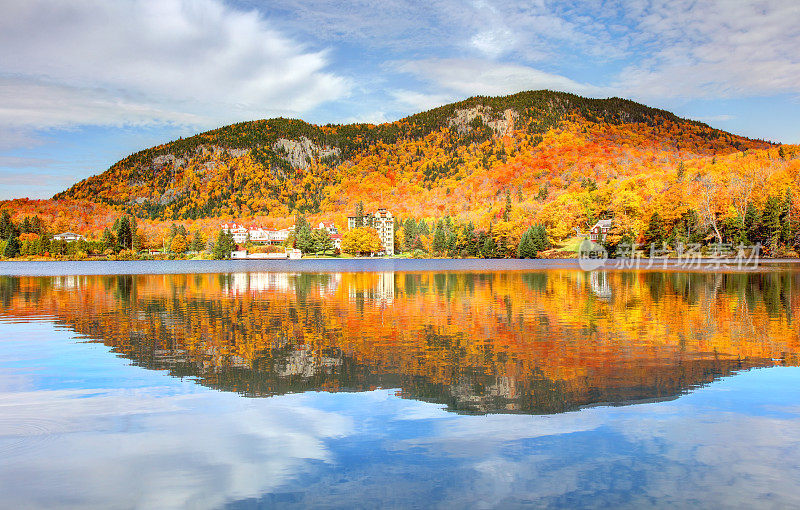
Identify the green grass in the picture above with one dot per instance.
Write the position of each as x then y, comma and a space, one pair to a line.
570, 244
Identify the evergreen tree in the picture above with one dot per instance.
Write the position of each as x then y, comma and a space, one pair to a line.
124, 235
136, 241
752, 225
527, 248
771, 222
6, 225
303, 238
223, 246
439, 238
423, 228
655, 236
359, 214
786, 220
471, 247
409, 234
12, 247
37, 225
489, 248
197, 241
321, 241
452, 243
507, 211
108, 240
25, 226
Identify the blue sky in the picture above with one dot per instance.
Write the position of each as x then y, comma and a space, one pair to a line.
84, 83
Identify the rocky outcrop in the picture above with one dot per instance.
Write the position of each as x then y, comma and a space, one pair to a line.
300, 153
500, 124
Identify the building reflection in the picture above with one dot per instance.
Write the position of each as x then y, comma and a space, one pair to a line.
519, 342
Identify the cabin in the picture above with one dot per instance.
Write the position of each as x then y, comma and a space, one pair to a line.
599, 231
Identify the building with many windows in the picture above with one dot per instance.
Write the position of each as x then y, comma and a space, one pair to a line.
382, 221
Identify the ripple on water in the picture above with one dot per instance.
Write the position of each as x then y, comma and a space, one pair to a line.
23, 435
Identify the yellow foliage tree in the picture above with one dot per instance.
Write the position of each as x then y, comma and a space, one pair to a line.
361, 240
178, 244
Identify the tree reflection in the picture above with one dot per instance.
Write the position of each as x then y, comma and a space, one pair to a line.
528, 342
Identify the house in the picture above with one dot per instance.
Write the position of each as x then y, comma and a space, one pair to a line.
279, 236
336, 239
330, 227
239, 232
68, 237
599, 231
260, 235
382, 221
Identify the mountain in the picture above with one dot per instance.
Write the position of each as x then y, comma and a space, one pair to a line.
560, 159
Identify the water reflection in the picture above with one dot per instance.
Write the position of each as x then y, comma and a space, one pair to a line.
491, 342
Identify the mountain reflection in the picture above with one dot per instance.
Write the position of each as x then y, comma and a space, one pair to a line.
511, 342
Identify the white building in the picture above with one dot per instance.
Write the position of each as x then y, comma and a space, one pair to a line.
68, 237
330, 227
382, 221
239, 232
257, 235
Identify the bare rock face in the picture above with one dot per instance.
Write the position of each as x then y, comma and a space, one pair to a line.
300, 153
168, 159
500, 124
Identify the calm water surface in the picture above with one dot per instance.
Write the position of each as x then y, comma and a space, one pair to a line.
377, 384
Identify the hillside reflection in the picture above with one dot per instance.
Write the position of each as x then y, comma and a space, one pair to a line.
538, 342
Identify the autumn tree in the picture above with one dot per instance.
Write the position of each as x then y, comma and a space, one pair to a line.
361, 240
178, 244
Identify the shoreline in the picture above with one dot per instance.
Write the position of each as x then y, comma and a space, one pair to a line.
368, 264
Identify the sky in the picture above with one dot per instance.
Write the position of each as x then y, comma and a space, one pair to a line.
84, 83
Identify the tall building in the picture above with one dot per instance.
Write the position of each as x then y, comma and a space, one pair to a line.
382, 221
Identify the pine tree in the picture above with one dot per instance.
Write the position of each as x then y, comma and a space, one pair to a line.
489, 248
359, 214
12, 247
655, 236
507, 211
124, 236
409, 234
6, 225
527, 245
771, 222
223, 246
303, 237
439, 238
752, 225
108, 240
197, 241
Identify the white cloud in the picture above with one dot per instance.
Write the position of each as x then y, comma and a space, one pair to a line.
418, 101
714, 49
153, 448
139, 61
485, 77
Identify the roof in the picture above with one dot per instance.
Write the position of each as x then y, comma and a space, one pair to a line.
603, 224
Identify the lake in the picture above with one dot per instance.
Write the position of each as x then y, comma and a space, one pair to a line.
397, 383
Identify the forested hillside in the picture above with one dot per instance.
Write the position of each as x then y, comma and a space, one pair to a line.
503, 163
